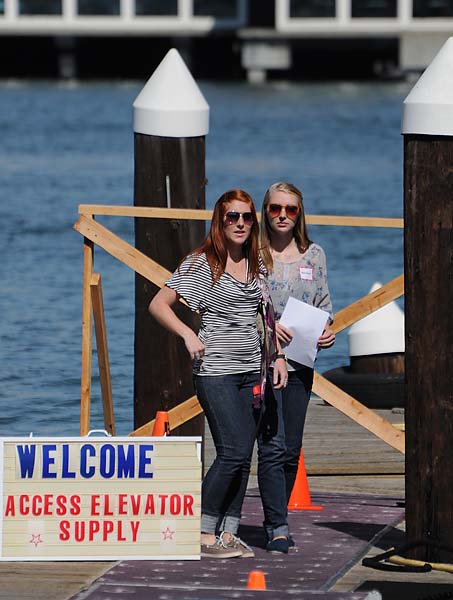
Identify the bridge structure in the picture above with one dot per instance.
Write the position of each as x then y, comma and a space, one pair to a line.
265, 33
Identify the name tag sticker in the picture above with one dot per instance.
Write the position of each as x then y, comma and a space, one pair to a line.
306, 273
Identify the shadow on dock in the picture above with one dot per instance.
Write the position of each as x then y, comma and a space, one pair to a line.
328, 543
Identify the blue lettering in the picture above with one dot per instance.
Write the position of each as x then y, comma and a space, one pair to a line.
126, 464
65, 472
85, 451
26, 456
48, 460
107, 461
144, 461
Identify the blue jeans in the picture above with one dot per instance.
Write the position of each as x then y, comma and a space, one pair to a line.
295, 403
227, 401
271, 463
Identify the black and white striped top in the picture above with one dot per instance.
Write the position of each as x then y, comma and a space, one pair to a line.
228, 312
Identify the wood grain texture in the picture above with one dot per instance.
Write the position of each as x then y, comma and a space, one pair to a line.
167, 172
358, 412
428, 185
368, 304
87, 341
102, 352
153, 212
124, 252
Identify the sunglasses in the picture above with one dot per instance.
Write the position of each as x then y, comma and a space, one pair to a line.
232, 217
275, 210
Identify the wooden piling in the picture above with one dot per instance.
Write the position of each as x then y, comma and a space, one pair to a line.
428, 185
169, 172
87, 337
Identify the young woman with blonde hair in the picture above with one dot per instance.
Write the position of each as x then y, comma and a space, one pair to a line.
296, 267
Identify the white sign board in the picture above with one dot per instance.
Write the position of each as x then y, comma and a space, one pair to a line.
90, 498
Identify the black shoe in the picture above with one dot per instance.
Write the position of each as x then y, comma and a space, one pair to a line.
278, 546
291, 544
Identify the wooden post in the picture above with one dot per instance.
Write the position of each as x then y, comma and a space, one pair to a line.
103, 352
428, 184
170, 122
87, 338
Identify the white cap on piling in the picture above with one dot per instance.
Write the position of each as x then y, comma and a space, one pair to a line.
381, 332
171, 103
428, 108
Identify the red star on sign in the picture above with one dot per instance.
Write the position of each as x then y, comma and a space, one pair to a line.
168, 534
36, 539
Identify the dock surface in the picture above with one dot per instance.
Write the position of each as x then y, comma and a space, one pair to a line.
359, 481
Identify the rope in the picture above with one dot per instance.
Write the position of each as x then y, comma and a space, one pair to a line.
407, 565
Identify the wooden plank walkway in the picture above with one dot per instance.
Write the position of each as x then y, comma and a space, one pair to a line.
341, 458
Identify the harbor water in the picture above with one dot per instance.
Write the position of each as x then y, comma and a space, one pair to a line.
67, 144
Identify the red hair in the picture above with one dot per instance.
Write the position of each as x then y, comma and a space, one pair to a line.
215, 246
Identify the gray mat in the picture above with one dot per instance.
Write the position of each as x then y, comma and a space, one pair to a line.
328, 543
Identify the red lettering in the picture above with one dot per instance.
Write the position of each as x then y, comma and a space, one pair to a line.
134, 528
95, 501
24, 509
107, 510
64, 531
94, 527
175, 504
149, 508
75, 504
61, 509
122, 504
109, 526
121, 538
10, 509
135, 501
36, 505
79, 531
188, 504
163, 498
48, 504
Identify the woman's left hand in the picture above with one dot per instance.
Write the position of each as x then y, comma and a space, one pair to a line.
327, 338
280, 379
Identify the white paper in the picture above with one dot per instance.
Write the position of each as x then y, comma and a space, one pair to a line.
307, 324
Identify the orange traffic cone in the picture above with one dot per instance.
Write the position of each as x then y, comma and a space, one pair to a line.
257, 581
161, 423
300, 496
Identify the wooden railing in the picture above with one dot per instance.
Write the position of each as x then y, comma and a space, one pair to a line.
95, 233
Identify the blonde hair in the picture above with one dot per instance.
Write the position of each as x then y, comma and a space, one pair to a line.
300, 233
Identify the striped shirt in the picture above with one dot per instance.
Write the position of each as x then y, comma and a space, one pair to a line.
228, 311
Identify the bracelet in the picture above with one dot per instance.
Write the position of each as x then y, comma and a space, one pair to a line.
280, 356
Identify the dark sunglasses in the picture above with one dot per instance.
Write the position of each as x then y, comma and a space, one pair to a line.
232, 217
274, 210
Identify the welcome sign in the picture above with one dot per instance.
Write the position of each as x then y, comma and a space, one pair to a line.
104, 498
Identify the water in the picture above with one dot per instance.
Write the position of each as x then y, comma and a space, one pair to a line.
63, 145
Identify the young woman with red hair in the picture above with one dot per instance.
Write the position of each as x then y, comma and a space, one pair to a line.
224, 280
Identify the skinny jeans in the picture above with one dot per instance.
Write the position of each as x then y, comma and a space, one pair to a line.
295, 398
228, 404
271, 465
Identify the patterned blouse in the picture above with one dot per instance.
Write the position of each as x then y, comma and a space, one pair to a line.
304, 279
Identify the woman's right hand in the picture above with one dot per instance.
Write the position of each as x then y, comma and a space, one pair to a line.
194, 345
284, 334
161, 308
